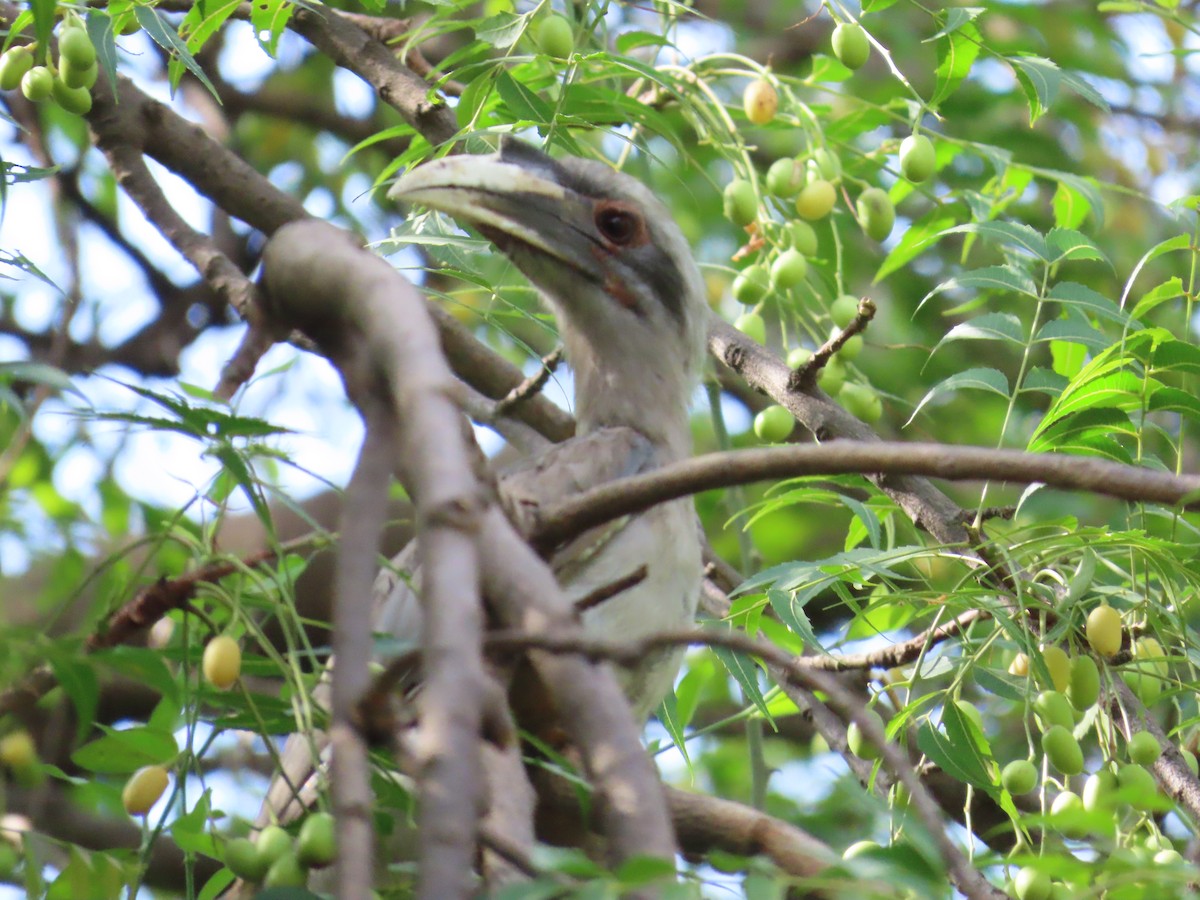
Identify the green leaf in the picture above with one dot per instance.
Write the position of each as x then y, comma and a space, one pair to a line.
1011, 234
100, 30
988, 327
792, 614
123, 752
745, 672
956, 54
1070, 206
1040, 79
522, 103
204, 20
989, 278
1046, 381
956, 18
1071, 244
1171, 289
1075, 331
972, 379
1086, 300
919, 237
39, 373
271, 17
503, 29
163, 34
958, 758
1067, 358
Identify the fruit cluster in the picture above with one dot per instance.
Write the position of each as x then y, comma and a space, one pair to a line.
69, 84
275, 860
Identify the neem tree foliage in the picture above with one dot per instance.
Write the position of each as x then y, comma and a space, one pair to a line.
948, 226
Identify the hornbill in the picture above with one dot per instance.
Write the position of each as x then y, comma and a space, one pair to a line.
630, 303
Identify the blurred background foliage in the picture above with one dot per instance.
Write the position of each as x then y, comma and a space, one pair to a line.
1038, 291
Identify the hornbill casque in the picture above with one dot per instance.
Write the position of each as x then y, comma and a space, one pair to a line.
619, 276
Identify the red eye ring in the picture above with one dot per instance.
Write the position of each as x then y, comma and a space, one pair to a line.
617, 225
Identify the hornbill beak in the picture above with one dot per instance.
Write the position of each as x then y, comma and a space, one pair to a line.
520, 199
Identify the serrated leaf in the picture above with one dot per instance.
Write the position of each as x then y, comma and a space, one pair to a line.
745, 673
958, 761
1071, 244
792, 615
918, 238
163, 34
989, 278
1011, 234
503, 29
1044, 381
21, 263
1083, 298
988, 327
980, 379
269, 17
522, 103
956, 18
1040, 79
1067, 358
1171, 289
1072, 330
956, 54
675, 725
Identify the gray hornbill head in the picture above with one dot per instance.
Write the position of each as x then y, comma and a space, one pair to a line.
610, 260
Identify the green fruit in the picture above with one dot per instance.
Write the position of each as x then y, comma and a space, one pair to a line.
1103, 630
1019, 777
1031, 884
752, 326
803, 237
1084, 688
273, 844
73, 77
751, 285
37, 84
858, 848
850, 45
918, 159
316, 846
785, 177
788, 270
1147, 673
285, 872
774, 424
850, 350
555, 38
1059, 665
1062, 750
760, 101
1053, 709
1098, 790
77, 101
857, 742
75, 47
831, 377
14, 63
1068, 802
828, 165
861, 402
876, 214
1168, 858
1138, 786
843, 310
741, 203
241, 856
1144, 748
798, 356
816, 200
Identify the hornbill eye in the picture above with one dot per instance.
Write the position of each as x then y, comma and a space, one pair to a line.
617, 224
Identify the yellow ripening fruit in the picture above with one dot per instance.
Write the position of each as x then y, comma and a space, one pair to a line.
816, 200
222, 662
14, 63
1084, 689
760, 101
143, 789
1019, 665
1059, 664
850, 45
918, 159
1103, 630
18, 751
555, 37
